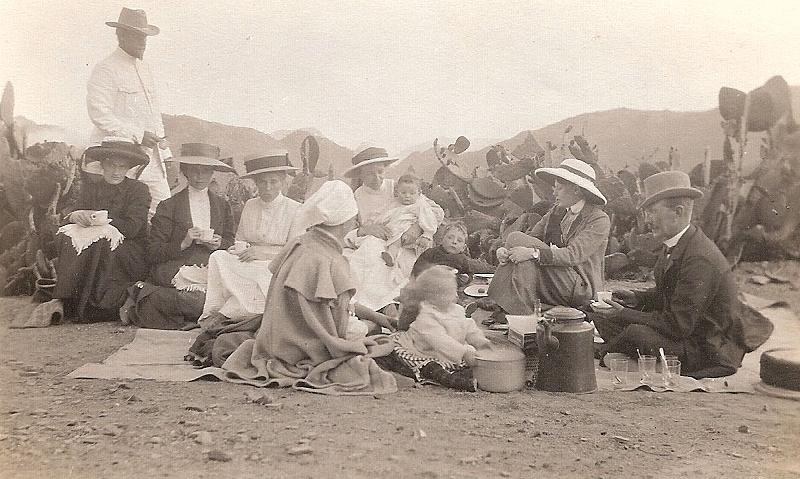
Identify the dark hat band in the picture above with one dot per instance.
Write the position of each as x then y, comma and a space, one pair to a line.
577, 172
267, 162
371, 153
200, 149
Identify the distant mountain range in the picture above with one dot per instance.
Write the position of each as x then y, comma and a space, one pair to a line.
238, 142
623, 137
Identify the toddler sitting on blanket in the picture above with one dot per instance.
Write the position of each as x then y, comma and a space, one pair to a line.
408, 208
441, 342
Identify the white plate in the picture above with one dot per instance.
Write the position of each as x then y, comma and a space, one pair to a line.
472, 290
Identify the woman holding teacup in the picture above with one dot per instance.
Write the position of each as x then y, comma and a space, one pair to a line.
184, 231
238, 277
195, 222
102, 245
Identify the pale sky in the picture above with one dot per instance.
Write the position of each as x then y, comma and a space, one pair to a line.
397, 73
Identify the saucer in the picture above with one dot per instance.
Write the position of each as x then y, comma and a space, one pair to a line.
474, 290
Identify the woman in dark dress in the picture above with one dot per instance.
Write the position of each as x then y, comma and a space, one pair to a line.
180, 236
98, 259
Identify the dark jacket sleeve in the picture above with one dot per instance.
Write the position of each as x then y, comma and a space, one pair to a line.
134, 216
649, 300
228, 231
164, 243
697, 284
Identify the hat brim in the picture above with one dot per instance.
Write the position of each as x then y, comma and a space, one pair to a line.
290, 170
149, 30
349, 173
686, 192
99, 153
777, 392
550, 174
205, 161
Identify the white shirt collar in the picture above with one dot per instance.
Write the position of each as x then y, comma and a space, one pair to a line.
670, 243
195, 191
577, 207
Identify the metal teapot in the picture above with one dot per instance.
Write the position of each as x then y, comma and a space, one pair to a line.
566, 352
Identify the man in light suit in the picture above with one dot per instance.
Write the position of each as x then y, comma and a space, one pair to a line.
122, 101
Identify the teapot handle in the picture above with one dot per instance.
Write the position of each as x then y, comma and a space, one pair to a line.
546, 342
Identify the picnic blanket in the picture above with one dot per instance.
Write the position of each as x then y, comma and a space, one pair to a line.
153, 354
787, 333
158, 355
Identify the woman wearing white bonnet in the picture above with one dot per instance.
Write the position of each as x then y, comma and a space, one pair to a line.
303, 339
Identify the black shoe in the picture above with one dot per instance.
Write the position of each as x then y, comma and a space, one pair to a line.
435, 372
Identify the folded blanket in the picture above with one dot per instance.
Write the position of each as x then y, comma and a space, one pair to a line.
84, 236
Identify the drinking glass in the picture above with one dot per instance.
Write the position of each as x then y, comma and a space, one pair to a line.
619, 372
673, 373
647, 367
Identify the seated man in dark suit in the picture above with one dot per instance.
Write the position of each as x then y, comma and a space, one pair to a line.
184, 232
691, 312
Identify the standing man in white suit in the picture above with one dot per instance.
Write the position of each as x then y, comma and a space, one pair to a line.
122, 102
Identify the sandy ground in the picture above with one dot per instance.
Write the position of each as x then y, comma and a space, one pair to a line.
51, 426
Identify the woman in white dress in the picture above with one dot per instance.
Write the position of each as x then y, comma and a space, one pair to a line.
377, 284
238, 278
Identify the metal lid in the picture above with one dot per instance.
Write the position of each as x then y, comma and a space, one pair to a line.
564, 313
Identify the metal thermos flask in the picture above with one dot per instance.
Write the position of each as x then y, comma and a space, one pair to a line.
566, 352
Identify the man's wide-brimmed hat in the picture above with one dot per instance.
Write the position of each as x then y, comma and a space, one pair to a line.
578, 173
668, 184
271, 162
134, 20
202, 154
117, 148
368, 156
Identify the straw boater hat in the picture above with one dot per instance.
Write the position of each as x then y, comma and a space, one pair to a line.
116, 148
271, 162
668, 184
578, 173
367, 157
202, 154
134, 20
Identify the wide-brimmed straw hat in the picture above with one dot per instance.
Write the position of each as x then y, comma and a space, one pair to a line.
202, 154
270, 162
368, 156
117, 148
578, 173
134, 20
667, 184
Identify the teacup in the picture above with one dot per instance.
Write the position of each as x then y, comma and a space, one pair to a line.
100, 217
207, 234
604, 296
239, 246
